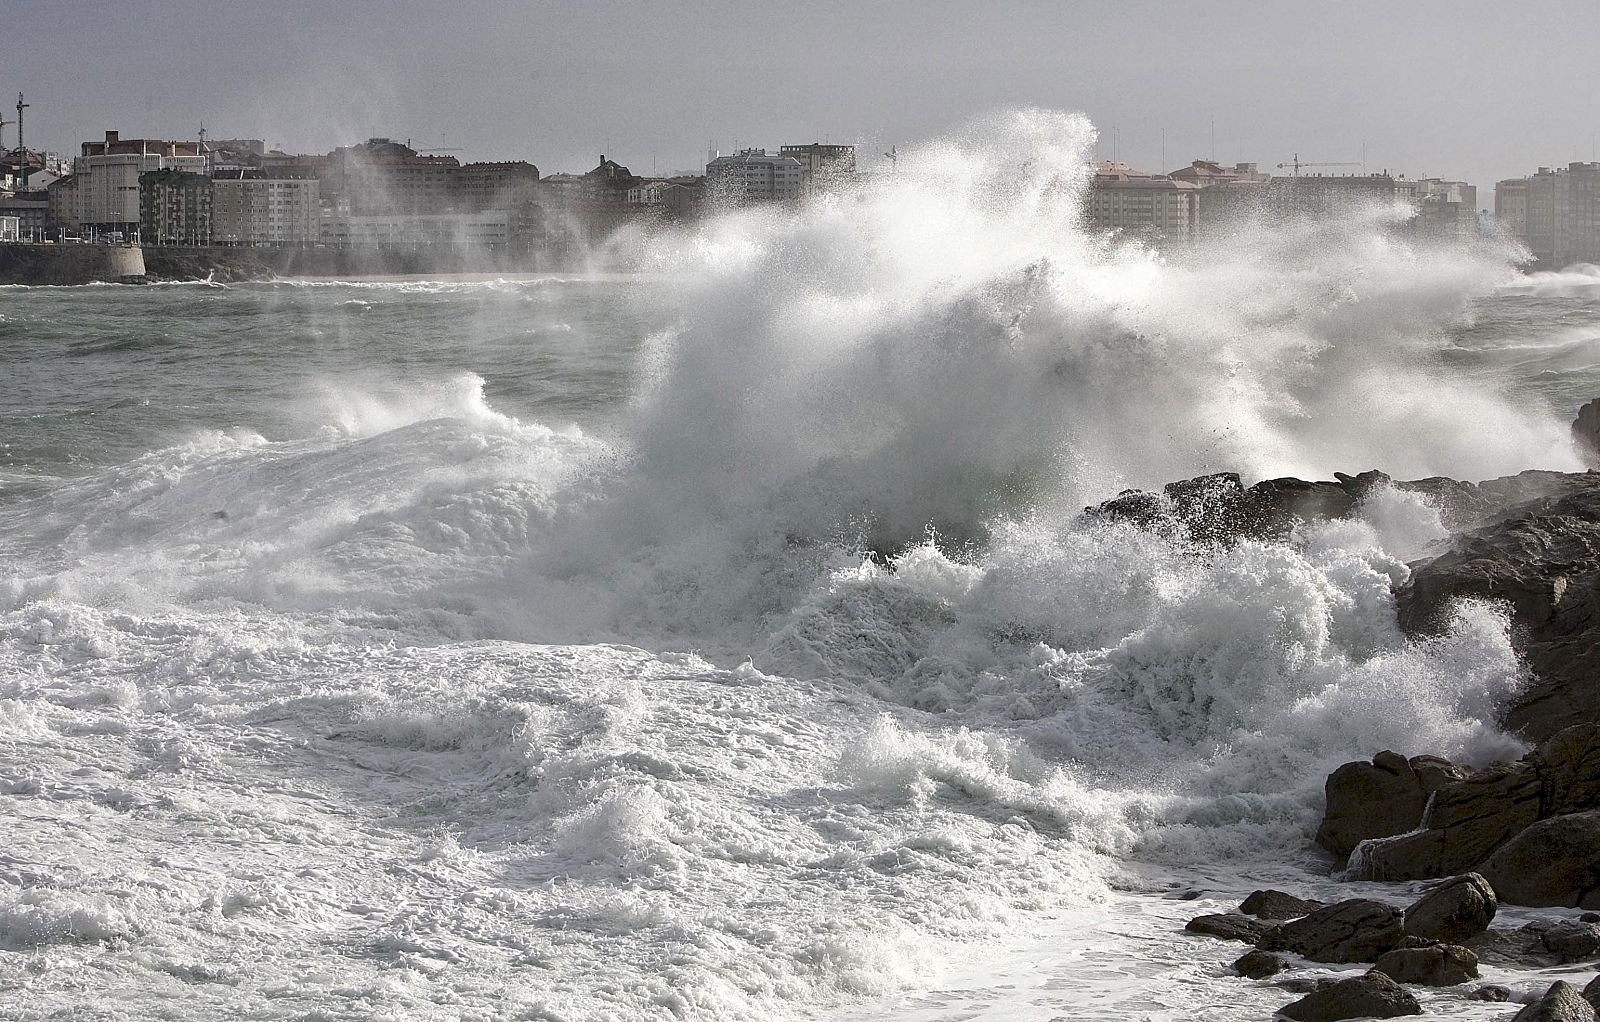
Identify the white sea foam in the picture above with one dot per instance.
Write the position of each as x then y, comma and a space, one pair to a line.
282, 734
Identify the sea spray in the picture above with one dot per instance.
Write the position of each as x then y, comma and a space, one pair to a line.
688, 713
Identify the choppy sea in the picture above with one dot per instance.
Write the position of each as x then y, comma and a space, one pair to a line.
721, 640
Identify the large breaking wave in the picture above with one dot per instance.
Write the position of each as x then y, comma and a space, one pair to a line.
901, 693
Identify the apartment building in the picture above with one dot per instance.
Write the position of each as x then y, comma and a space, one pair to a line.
823, 166
1555, 212
174, 207
248, 209
753, 176
1155, 207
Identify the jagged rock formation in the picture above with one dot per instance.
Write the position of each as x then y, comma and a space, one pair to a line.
1470, 815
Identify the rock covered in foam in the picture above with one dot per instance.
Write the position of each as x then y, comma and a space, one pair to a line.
1561, 1003
1358, 930
1543, 558
1553, 862
1458, 909
1371, 996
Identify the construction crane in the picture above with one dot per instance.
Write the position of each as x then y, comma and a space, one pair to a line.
22, 153
1295, 164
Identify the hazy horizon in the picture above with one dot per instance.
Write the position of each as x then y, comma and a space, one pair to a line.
1453, 90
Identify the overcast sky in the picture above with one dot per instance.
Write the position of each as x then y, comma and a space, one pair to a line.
1467, 89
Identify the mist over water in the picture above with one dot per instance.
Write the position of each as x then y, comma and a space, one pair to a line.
724, 642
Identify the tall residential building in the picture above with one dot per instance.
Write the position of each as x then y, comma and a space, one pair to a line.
1151, 206
1447, 211
174, 208
248, 209
1322, 195
380, 177
753, 176
1511, 206
1555, 212
1228, 196
822, 166
103, 190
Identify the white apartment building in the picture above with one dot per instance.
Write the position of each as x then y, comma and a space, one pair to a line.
754, 176
104, 187
10, 228
265, 211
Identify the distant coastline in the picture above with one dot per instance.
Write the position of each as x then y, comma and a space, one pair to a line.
33, 264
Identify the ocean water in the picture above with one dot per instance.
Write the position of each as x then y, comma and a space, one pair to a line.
721, 640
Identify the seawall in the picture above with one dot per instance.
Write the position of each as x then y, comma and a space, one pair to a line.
70, 264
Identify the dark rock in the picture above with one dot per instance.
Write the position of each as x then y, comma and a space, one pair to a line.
1276, 506
1371, 996
1358, 930
1590, 917
1271, 904
1572, 940
1543, 558
1470, 816
1552, 862
1591, 993
1561, 1003
1458, 909
1468, 819
1491, 992
1586, 433
1441, 965
1227, 926
1302, 984
1379, 799
1260, 964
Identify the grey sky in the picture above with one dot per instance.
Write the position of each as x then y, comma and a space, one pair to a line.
1472, 90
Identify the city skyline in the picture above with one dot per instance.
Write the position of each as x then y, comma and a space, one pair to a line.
1477, 97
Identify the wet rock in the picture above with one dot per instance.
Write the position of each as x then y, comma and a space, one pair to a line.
1227, 926
1590, 917
1468, 819
1472, 814
1572, 940
1358, 930
1456, 910
1561, 1003
1440, 965
1552, 862
1491, 992
1543, 558
1591, 993
1260, 964
1379, 799
1371, 996
1586, 433
1271, 904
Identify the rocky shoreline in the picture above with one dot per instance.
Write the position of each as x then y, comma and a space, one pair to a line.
1525, 833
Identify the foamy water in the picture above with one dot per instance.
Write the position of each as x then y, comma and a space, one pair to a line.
723, 642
